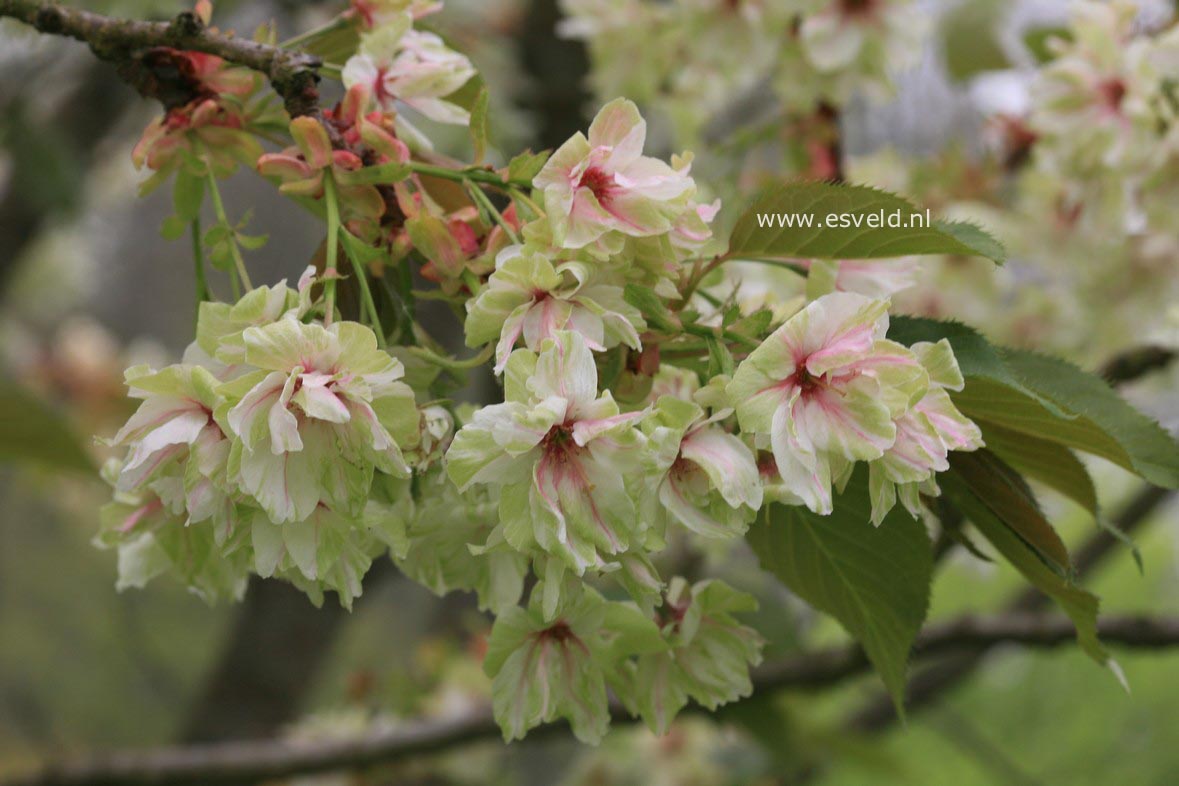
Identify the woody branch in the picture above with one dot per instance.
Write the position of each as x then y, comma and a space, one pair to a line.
255, 761
132, 47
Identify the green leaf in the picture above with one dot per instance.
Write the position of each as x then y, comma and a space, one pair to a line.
251, 242
652, 307
1038, 41
873, 580
32, 433
755, 325
1081, 606
1042, 460
1099, 421
188, 192
478, 126
173, 228
362, 252
380, 174
720, 360
1144, 445
1050, 399
527, 165
970, 39
1008, 497
337, 45
860, 208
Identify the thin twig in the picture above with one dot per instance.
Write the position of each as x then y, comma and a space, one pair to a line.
1136, 363
250, 762
135, 48
931, 683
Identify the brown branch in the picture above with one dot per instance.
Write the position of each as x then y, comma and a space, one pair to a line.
1136, 363
250, 762
137, 49
927, 685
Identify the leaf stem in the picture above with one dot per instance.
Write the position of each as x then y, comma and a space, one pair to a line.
707, 332
198, 264
453, 364
477, 174
219, 210
366, 297
699, 272
333, 242
335, 24
516, 193
477, 194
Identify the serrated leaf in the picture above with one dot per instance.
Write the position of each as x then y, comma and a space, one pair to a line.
32, 433
1008, 497
873, 580
1081, 606
720, 360
1042, 460
755, 325
478, 125
1144, 445
652, 307
1097, 421
1050, 399
527, 165
860, 206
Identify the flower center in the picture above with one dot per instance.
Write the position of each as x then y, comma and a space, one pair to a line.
599, 182
805, 381
559, 632
1111, 93
857, 7
558, 444
381, 95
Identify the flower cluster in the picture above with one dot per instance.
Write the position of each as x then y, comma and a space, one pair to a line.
261, 450
827, 389
1101, 104
648, 402
836, 47
398, 64
217, 126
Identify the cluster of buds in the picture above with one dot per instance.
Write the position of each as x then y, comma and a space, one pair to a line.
216, 128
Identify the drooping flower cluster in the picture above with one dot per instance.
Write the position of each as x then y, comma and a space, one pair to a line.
827, 389
260, 449
637, 392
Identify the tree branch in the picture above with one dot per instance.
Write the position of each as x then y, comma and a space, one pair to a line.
1136, 363
926, 686
250, 762
138, 50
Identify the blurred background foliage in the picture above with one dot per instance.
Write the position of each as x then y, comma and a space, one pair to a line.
90, 287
